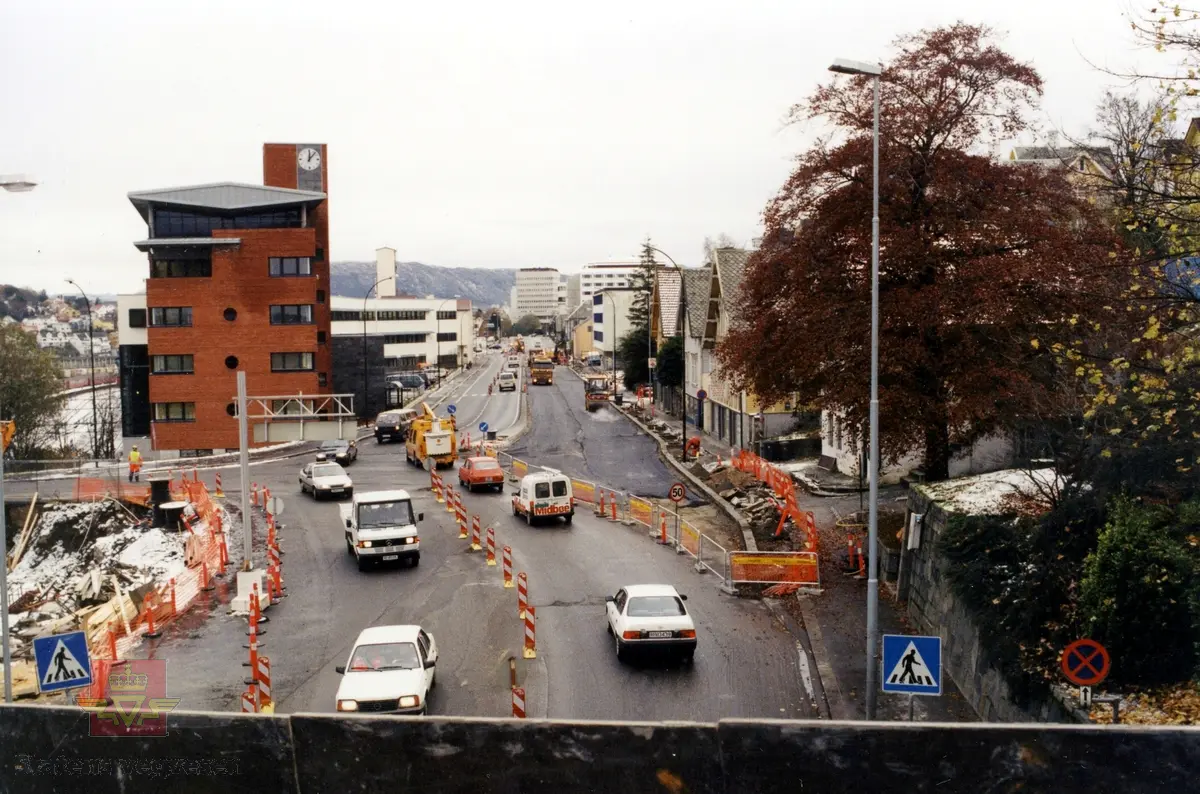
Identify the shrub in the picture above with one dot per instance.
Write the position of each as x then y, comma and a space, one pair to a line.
1138, 595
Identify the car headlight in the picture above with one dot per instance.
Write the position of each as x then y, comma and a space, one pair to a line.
410, 702
366, 544
347, 705
410, 540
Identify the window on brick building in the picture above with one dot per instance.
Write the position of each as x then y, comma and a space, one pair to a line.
322, 379
174, 412
172, 365
171, 315
289, 266
292, 314
291, 362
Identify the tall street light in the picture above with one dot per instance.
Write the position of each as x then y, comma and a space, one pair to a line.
683, 321
13, 183
92, 362
873, 71
612, 338
438, 314
365, 405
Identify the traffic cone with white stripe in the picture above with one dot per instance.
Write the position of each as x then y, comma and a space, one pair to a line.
518, 703
264, 682
220, 494
530, 651
491, 547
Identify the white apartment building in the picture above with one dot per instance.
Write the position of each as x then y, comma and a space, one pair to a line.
540, 291
610, 318
605, 275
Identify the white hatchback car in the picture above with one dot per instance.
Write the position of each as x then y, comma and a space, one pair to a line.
650, 617
390, 670
325, 479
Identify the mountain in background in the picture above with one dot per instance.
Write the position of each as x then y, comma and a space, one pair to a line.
484, 287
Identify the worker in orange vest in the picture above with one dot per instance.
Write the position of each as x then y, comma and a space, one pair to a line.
135, 465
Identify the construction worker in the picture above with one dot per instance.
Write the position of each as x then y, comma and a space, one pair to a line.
135, 465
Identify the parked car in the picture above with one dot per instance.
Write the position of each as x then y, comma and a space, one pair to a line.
481, 472
544, 494
390, 670
507, 381
342, 452
410, 381
650, 617
325, 479
393, 425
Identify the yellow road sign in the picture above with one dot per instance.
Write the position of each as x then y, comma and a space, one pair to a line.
6, 434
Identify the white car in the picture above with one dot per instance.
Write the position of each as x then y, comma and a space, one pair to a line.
650, 617
390, 670
325, 479
507, 381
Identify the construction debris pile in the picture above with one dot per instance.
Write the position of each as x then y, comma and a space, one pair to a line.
667, 431
754, 499
76, 565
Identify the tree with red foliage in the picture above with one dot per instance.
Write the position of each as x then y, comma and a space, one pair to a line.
978, 257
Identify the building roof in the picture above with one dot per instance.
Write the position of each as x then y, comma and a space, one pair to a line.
667, 292
223, 197
1062, 155
697, 282
731, 269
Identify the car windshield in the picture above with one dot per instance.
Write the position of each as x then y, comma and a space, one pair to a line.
329, 470
387, 419
665, 606
486, 464
385, 656
335, 446
385, 514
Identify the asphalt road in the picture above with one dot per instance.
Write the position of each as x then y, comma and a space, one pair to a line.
746, 663
601, 446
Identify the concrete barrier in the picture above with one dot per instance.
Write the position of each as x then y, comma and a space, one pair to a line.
48, 749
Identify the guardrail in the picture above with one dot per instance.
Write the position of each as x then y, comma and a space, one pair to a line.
670, 528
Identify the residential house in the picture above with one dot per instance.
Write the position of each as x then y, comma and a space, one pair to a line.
579, 329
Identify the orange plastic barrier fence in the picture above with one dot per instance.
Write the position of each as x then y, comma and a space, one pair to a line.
773, 567
689, 538
92, 488
584, 491
520, 468
641, 511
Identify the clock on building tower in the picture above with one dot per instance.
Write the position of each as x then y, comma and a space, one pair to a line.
309, 167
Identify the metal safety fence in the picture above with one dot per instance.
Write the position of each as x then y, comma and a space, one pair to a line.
669, 528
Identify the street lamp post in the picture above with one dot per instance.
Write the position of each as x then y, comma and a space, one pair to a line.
683, 320
613, 339
365, 405
873, 71
92, 365
15, 183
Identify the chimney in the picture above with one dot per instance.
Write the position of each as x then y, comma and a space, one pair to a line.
385, 267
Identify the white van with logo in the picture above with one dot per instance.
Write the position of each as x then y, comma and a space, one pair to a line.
544, 494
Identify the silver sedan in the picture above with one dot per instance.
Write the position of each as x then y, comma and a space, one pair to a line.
325, 479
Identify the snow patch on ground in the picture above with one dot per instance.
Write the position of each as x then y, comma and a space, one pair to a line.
985, 494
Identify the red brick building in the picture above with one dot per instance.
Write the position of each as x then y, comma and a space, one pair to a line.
237, 279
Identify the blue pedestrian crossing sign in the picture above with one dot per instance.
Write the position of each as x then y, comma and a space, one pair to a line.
62, 661
483, 426
450, 409
912, 664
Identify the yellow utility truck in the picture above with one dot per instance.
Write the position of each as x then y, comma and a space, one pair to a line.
541, 371
431, 440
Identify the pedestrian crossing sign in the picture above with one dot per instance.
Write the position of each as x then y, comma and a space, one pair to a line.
912, 664
62, 661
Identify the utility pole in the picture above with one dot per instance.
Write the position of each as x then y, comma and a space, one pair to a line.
366, 403
4, 577
244, 465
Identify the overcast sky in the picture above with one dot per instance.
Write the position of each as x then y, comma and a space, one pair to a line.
476, 134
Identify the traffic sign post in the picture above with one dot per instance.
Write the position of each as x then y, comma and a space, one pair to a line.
677, 493
62, 661
652, 363
450, 409
912, 665
1085, 663
275, 506
483, 427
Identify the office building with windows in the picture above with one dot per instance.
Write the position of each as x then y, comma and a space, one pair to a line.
605, 275
542, 292
237, 279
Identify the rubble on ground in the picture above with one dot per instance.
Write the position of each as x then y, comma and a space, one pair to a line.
752, 498
72, 561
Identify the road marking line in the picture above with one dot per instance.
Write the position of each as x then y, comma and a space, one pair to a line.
806, 674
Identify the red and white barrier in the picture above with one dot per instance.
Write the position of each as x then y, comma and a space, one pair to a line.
220, 494
522, 594
530, 637
435, 484
518, 703
508, 577
264, 681
663, 540
491, 547
460, 510
249, 701
475, 534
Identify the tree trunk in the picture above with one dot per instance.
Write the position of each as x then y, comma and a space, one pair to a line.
937, 452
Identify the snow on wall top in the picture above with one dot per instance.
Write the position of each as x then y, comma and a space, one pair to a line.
986, 494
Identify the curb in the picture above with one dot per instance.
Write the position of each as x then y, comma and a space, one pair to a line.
820, 698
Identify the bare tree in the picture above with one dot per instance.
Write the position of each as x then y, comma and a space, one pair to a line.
722, 240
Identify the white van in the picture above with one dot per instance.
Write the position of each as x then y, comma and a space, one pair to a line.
544, 494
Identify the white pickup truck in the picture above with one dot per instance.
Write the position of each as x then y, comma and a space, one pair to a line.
380, 527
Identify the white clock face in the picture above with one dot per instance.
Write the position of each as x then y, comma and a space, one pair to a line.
309, 159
